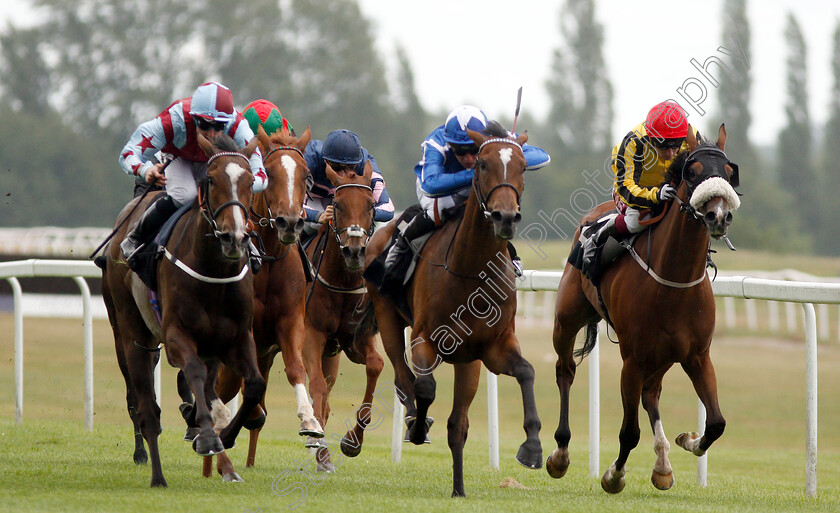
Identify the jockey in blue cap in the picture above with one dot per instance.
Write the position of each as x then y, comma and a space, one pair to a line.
444, 177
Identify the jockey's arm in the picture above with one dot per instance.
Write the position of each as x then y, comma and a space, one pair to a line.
384, 208
136, 155
242, 135
628, 171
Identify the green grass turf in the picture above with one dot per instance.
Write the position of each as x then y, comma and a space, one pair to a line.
50, 463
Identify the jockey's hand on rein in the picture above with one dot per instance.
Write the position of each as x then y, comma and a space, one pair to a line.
326, 216
667, 192
155, 176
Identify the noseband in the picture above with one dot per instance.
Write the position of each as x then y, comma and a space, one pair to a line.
714, 165
483, 199
353, 230
207, 212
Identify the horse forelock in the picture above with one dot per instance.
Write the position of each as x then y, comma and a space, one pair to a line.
674, 173
225, 142
495, 129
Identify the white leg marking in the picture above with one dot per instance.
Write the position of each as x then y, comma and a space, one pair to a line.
289, 165
661, 447
504, 155
220, 414
304, 406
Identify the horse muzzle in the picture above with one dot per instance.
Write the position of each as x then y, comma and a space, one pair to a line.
504, 223
288, 228
717, 217
233, 244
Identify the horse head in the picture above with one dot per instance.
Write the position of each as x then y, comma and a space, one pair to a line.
289, 180
710, 180
498, 179
352, 222
227, 184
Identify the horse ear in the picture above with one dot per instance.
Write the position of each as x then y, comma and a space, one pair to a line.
332, 176
477, 137
206, 146
691, 139
304, 139
265, 141
522, 139
249, 149
721, 142
368, 172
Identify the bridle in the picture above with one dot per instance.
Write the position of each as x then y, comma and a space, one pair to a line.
353, 230
713, 166
271, 220
482, 198
207, 211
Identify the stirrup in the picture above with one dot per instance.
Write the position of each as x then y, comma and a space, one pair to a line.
129, 247
518, 269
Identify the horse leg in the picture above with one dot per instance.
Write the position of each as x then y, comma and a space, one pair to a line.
702, 375
187, 407
292, 337
244, 356
505, 358
313, 350
141, 375
329, 372
663, 474
466, 384
256, 421
226, 387
392, 333
628, 437
351, 442
424, 360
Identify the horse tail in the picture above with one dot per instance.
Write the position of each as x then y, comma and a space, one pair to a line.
589, 343
366, 326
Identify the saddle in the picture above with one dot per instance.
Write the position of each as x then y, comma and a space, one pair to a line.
605, 254
143, 262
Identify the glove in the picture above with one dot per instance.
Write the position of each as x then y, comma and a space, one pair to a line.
667, 192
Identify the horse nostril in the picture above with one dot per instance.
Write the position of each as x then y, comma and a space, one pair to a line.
496, 216
226, 238
710, 218
299, 225
517, 218
728, 219
281, 223
346, 252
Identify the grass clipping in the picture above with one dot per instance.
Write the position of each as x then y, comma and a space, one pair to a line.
510, 482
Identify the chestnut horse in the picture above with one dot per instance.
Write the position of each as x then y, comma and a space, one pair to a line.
205, 294
662, 309
279, 287
338, 254
463, 300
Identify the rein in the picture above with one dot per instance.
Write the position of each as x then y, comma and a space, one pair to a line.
271, 220
353, 230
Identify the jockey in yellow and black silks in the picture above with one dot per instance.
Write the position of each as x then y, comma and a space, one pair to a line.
640, 162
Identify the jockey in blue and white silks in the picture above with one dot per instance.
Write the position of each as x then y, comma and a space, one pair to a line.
343, 150
445, 172
174, 131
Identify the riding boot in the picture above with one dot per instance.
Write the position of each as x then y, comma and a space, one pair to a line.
598, 239
418, 226
151, 221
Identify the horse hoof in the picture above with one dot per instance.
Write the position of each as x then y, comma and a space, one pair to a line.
232, 477
208, 445
313, 443
326, 467
349, 447
191, 433
158, 482
458, 493
409, 422
311, 428
140, 457
612, 485
690, 442
257, 423
528, 457
557, 463
662, 481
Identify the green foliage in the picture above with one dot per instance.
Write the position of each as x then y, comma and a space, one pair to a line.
829, 240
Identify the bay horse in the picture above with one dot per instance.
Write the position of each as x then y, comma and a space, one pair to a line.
205, 293
279, 287
338, 253
662, 310
463, 301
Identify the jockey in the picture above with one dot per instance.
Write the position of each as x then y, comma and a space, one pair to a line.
345, 154
208, 112
639, 163
445, 175
265, 113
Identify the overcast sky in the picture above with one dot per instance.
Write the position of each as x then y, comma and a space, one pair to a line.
481, 51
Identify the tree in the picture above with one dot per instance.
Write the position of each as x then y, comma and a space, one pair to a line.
795, 164
830, 232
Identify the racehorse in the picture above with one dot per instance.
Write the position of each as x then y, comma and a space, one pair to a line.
662, 310
205, 295
338, 254
463, 301
279, 287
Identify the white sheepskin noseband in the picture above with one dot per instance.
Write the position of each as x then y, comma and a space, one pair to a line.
713, 188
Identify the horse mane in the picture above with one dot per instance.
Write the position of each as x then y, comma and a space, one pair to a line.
225, 142
495, 129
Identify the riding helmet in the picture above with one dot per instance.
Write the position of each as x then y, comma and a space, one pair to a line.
667, 120
213, 101
463, 117
343, 146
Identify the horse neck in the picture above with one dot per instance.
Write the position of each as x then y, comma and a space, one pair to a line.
205, 251
475, 242
681, 244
